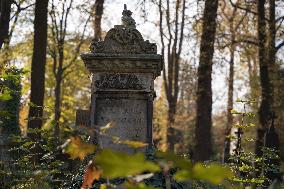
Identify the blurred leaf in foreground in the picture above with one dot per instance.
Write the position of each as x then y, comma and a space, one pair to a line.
92, 173
175, 160
129, 143
76, 148
140, 178
119, 164
213, 173
104, 129
134, 144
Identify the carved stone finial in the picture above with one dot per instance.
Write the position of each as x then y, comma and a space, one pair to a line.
124, 39
126, 19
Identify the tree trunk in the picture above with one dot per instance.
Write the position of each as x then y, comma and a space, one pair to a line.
271, 46
37, 74
171, 138
203, 146
5, 10
38, 66
57, 106
230, 100
264, 109
171, 79
98, 12
57, 90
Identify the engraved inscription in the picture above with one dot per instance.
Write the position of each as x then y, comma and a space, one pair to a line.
130, 117
119, 81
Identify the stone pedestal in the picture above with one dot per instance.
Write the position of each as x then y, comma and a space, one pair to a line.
123, 68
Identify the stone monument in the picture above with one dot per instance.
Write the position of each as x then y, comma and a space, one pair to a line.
123, 68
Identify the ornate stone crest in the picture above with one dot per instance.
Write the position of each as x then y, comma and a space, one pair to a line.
124, 39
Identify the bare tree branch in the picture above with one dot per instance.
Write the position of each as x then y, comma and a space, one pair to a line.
163, 47
243, 8
279, 46
77, 49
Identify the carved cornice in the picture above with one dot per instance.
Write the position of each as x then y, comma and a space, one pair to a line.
122, 64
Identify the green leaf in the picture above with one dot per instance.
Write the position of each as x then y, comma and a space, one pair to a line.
119, 164
213, 173
177, 161
5, 96
183, 175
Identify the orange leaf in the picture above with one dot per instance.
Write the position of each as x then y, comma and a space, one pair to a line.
77, 148
92, 173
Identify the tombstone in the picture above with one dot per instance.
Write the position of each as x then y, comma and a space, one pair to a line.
123, 67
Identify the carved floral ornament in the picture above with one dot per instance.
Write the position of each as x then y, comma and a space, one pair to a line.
124, 39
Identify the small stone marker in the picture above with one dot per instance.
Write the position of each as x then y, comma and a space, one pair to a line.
82, 118
123, 68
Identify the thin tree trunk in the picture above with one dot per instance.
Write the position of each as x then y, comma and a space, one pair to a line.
233, 29
230, 100
98, 12
38, 66
57, 91
5, 10
203, 146
264, 109
171, 82
57, 106
170, 129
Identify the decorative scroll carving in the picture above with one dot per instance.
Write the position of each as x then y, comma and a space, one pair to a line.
119, 81
121, 40
124, 39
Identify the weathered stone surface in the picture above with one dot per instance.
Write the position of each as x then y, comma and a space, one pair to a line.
119, 81
130, 118
123, 68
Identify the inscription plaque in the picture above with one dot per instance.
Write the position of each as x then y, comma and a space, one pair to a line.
130, 117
